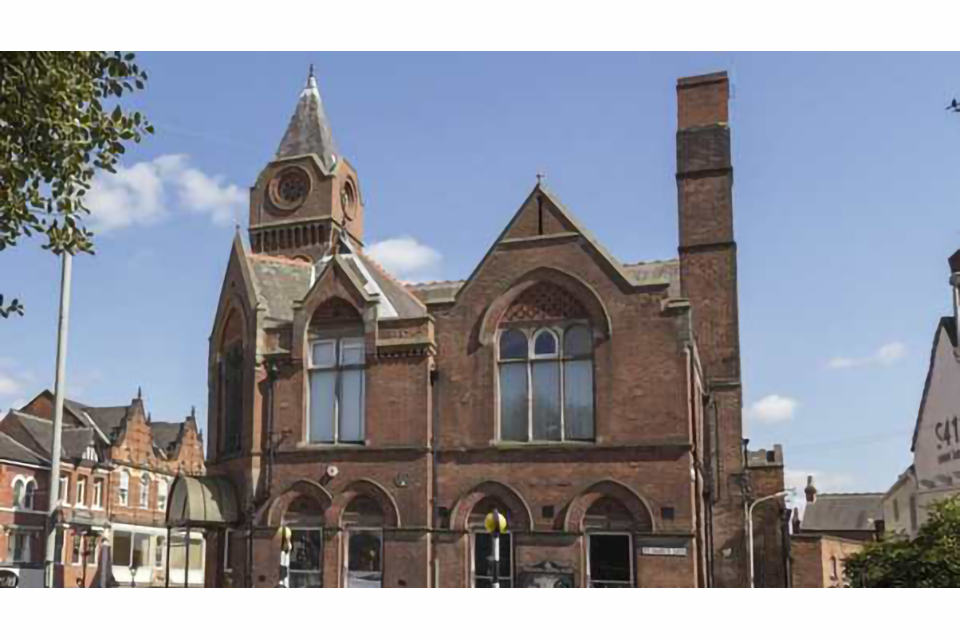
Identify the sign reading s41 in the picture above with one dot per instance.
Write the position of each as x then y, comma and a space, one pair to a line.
8, 579
948, 436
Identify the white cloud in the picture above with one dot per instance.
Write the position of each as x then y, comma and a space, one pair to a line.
887, 355
9, 386
148, 192
405, 257
773, 409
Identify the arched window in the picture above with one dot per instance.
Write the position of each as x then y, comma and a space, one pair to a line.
144, 491
162, 495
304, 517
30, 494
123, 491
546, 383
482, 559
230, 373
610, 546
336, 363
363, 522
19, 493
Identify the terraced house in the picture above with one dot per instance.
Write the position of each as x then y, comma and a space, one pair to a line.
117, 468
371, 425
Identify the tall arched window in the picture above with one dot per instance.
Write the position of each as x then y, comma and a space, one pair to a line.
123, 491
231, 380
336, 363
546, 382
363, 523
30, 494
19, 493
162, 495
144, 491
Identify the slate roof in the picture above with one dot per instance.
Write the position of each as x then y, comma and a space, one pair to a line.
279, 283
309, 129
639, 273
165, 434
10, 449
73, 440
840, 512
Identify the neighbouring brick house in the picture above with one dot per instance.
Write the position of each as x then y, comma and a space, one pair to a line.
116, 469
595, 403
834, 526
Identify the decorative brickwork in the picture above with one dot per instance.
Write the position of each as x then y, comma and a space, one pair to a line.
336, 310
545, 301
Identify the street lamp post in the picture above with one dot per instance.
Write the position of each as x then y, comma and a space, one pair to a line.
495, 524
748, 508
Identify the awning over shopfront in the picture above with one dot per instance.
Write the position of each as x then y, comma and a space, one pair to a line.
202, 502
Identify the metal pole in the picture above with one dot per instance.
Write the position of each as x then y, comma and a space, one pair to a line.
749, 511
166, 578
496, 555
54, 492
186, 570
750, 540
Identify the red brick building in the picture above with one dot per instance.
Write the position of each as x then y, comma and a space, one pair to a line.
116, 470
595, 403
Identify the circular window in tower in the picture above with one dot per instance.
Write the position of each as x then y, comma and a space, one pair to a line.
289, 188
348, 200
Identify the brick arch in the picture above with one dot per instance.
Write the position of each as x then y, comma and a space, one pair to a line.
546, 294
632, 501
370, 489
519, 509
300, 488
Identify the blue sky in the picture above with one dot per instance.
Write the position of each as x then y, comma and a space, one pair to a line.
846, 207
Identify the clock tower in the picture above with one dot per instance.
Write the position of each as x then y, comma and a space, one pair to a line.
308, 193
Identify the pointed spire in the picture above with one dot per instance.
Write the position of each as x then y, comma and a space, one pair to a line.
309, 130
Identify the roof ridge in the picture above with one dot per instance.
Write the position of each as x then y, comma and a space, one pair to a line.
431, 283
376, 265
851, 493
648, 262
281, 259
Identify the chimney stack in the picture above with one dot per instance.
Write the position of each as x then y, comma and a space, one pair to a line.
810, 491
954, 262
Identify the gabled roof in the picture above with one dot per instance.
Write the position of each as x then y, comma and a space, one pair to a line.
281, 282
73, 440
947, 327
10, 449
309, 130
843, 512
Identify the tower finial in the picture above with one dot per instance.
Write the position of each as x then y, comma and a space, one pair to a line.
311, 71
193, 411
139, 393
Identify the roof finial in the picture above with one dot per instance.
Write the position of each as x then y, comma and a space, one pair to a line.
311, 70
193, 411
139, 393
540, 176
149, 417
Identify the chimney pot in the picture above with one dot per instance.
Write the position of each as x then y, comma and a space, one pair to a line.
810, 491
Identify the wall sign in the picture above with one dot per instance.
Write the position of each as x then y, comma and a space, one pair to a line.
664, 551
8, 579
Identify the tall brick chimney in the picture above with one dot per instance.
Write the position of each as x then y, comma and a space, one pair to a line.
708, 278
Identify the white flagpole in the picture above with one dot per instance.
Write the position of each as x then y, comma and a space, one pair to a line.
54, 492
